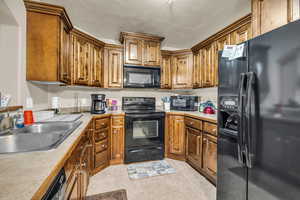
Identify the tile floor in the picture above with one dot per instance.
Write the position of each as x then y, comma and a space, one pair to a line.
185, 184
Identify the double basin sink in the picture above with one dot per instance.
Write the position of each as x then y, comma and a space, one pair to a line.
37, 137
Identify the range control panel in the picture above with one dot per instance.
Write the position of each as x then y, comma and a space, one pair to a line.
229, 103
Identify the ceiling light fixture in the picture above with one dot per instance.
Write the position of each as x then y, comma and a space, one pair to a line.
170, 1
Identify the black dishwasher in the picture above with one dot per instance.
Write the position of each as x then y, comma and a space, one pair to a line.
58, 187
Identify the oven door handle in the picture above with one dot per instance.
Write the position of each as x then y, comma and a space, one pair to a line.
143, 115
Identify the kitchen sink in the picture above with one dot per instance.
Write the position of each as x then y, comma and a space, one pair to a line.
37, 137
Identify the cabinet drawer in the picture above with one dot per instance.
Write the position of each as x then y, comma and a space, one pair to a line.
194, 123
101, 123
101, 146
210, 128
100, 134
117, 121
101, 158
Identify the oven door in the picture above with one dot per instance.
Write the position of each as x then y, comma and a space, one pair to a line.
144, 129
141, 77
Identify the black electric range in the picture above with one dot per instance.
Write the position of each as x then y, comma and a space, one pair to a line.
144, 129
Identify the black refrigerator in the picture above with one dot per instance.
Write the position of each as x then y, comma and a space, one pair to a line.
259, 119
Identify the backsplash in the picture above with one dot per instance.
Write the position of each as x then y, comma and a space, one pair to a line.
69, 94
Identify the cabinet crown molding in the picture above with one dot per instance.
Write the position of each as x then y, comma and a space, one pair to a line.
176, 52
232, 27
144, 36
49, 9
81, 34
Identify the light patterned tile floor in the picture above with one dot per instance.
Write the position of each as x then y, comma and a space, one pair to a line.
185, 184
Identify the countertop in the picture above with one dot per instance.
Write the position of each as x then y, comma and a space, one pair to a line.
22, 174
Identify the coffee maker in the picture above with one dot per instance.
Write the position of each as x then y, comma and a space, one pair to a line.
98, 103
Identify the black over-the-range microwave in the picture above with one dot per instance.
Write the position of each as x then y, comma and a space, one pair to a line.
141, 77
184, 103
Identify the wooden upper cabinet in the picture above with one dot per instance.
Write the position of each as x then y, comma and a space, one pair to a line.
176, 136
87, 59
141, 49
151, 53
165, 70
242, 34
48, 28
113, 66
182, 70
221, 42
207, 65
134, 51
197, 72
96, 78
271, 14
82, 61
210, 156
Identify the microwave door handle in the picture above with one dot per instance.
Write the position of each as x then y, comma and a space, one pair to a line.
241, 120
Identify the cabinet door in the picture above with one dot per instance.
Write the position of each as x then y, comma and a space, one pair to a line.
207, 58
177, 135
197, 72
219, 45
183, 71
194, 146
151, 53
115, 69
166, 74
242, 34
210, 155
271, 14
65, 66
82, 58
97, 66
134, 51
73, 187
117, 145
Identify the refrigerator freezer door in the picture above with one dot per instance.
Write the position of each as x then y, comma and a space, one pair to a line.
232, 176
275, 59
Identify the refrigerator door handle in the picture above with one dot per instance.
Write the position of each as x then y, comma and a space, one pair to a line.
251, 124
241, 119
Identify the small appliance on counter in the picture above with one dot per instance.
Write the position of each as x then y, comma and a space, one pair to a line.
98, 104
208, 107
184, 103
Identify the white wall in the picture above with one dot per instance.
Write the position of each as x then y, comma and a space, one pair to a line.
13, 56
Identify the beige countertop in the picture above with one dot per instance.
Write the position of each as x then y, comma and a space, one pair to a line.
21, 174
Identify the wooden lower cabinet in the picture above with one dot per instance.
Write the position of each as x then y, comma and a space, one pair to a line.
78, 169
210, 156
175, 137
201, 147
194, 147
101, 144
117, 140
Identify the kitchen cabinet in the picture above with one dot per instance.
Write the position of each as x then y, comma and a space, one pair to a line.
82, 58
182, 70
113, 66
97, 75
87, 59
194, 146
207, 64
271, 14
48, 43
101, 143
117, 139
210, 156
166, 70
242, 34
141, 49
77, 168
206, 53
176, 137
151, 53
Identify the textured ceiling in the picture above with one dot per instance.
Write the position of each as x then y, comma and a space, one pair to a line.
183, 22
